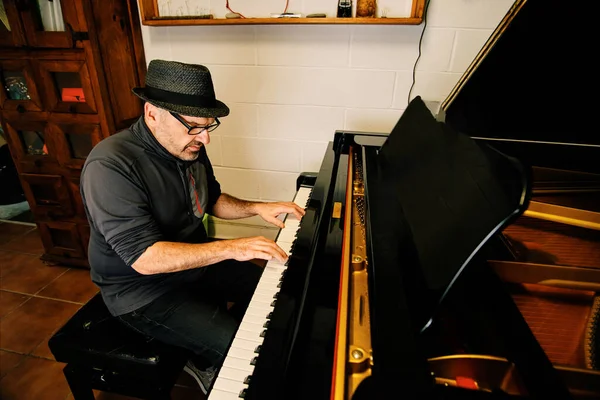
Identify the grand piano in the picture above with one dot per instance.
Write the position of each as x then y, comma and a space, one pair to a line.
456, 257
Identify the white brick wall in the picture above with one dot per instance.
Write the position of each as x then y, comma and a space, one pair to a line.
290, 87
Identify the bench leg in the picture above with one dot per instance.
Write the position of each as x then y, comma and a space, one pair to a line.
79, 382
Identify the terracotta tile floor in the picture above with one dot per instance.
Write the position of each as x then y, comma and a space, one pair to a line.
35, 301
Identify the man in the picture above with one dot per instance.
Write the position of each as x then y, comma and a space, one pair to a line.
146, 190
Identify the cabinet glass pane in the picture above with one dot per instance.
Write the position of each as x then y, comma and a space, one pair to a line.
44, 194
48, 16
62, 238
4, 24
68, 85
15, 85
79, 144
34, 143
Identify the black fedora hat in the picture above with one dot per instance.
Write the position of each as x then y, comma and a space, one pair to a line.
182, 88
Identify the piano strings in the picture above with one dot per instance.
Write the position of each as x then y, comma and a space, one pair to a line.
353, 352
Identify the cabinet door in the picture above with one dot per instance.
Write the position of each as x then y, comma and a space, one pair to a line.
31, 144
11, 30
74, 187
19, 89
66, 86
48, 195
61, 239
74, 142
49, 23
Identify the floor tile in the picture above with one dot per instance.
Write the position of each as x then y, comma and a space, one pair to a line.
8, 361
10, 260
25, 328
10, 301
75, 285
31, 276
43, 350
28, 243
35, 378
10, 231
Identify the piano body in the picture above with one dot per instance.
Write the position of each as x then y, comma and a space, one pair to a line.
457, 257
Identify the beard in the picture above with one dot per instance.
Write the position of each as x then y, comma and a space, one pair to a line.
189, 154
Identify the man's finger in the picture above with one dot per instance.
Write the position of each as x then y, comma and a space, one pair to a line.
277, 253
275, 222
293, 208
272, 248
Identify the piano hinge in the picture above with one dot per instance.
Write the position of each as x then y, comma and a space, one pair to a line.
337, 210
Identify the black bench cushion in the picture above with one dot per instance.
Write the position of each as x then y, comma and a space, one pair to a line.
94, 338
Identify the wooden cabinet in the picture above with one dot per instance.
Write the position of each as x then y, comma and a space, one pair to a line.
67, 68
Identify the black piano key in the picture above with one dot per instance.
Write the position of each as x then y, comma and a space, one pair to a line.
242, 394
253, 361
269, 315
266, 324
257, 349
263, 333
247, 379
273, 303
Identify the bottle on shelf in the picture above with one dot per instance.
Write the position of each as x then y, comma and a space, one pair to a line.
344, 9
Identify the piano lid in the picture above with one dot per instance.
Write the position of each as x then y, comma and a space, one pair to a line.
526, 90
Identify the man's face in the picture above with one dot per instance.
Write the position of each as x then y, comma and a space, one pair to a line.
173, 135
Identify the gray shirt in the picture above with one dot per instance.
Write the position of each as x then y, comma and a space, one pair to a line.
135, 194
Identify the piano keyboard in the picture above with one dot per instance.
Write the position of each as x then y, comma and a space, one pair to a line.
233, 377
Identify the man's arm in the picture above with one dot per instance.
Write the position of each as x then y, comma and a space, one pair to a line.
119, 210
163, 257
229, 207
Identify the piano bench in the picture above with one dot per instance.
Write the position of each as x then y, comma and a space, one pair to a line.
102, 353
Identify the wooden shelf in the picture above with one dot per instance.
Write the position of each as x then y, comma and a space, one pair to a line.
168, 21
150, 16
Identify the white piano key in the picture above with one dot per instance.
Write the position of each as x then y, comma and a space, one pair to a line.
221, 395
275, 267
270, 274
241, 353
233, 374
228, 385
261, 303
256, 312
261, 307
268, 283
272, 279
266, 291
250, 327
286, 236
262, 297
239, 343
238, 363
292, 224
286, 247
251, 336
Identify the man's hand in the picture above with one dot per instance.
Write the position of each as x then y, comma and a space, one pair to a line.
246, 249
270, 211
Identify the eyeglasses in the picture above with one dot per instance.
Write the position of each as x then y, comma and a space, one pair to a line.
196, 130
